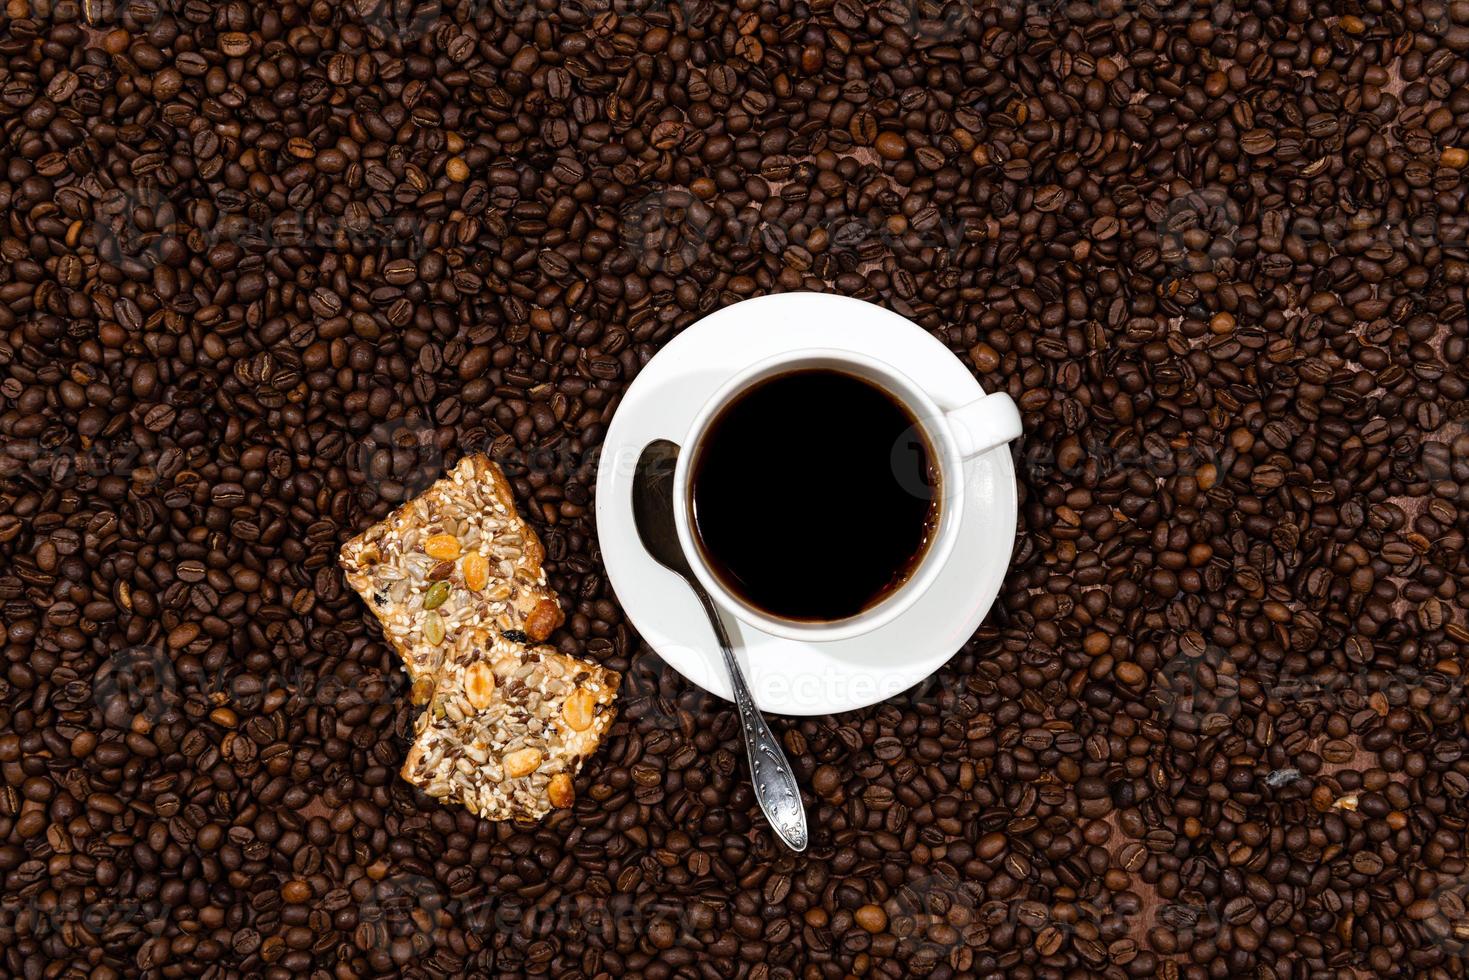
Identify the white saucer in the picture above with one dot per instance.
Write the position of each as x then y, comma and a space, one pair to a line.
793, 677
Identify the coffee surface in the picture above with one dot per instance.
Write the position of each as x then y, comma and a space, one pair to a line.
813, 495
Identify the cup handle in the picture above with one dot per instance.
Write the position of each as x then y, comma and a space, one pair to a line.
984, 423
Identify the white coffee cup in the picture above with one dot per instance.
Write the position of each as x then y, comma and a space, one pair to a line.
952, 435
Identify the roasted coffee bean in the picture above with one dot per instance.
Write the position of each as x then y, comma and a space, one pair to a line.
268, 270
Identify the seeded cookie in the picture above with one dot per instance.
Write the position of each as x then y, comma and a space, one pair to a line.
455, 557
509, 726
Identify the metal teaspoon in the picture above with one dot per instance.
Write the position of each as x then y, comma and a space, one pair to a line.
775, 784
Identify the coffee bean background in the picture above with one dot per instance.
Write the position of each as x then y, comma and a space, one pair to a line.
269, 268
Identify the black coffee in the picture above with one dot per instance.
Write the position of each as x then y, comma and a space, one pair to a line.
814, 495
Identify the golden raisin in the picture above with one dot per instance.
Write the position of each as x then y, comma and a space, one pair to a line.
560, 791
479, 685
521, 762
476, 571
444, 547
544, 618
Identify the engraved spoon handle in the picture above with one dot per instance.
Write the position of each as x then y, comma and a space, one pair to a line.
775, 783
